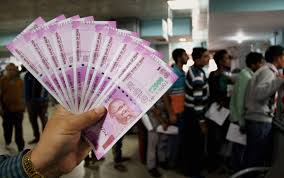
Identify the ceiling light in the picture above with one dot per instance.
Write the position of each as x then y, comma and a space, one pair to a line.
182, 4
182, 39
240, 37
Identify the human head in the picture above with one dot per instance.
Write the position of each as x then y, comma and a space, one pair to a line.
200, 56
275, 55
119, 110
23, 68
254, 60
11, 70
222, 59
179, 55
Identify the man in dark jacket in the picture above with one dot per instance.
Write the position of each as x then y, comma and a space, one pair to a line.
12, 105
37, 104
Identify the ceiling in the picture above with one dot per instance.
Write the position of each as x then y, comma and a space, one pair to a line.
255, 19
258, 26
223, 22
14, 15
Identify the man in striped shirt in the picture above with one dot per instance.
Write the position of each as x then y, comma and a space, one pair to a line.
196, 100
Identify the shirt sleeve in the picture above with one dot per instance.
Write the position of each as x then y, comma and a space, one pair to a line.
11, 166
240, 98
267, 86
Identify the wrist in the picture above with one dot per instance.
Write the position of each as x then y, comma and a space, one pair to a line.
38, 164
29, 167
46, 170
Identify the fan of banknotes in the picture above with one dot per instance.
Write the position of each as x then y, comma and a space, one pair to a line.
84, 63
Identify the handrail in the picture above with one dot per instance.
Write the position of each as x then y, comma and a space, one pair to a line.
248, 170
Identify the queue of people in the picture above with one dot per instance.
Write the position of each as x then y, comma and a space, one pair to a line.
200, 144
250, 98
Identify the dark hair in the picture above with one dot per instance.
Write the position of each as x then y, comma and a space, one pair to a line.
272, 52
197, 53
177, 53
253, 58
10, 64
219, 55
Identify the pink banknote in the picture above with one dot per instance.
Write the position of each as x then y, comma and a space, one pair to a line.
138, 90
84, 63
84, 33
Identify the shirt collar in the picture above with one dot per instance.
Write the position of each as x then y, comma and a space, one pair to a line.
176, 68
272, 67
249, 70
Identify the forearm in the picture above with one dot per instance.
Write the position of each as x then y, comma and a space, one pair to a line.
168, 106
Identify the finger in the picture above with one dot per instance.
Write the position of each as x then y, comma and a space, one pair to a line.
83, 151
89, 118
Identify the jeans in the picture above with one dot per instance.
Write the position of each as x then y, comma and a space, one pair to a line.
238, 155
174, 143
193, 146
11, 120
36, 109
157, 146
259, 143
117, 152
216, 141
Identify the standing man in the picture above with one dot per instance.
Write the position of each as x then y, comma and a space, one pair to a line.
195, 127
156, 149
37, 104
220, 84
176, 92
260, 106
13, 106
174, 101
254, 61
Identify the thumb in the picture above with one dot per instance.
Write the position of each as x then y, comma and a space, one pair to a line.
88, 118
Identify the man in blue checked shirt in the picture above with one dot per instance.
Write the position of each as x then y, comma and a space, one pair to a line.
59, 150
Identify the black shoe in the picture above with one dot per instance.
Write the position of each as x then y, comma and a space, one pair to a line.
155, 172
33, 141
123, 159
86, 163
120, 167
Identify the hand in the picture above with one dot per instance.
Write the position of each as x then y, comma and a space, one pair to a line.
220, 105
61, 147
165, 126
280, 76
204, 127
173, 118
156, 111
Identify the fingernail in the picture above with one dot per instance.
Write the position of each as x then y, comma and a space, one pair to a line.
100, 110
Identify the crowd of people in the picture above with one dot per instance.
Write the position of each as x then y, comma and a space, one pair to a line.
199, 146
20, 90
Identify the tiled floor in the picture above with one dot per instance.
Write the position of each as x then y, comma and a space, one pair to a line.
103, 169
